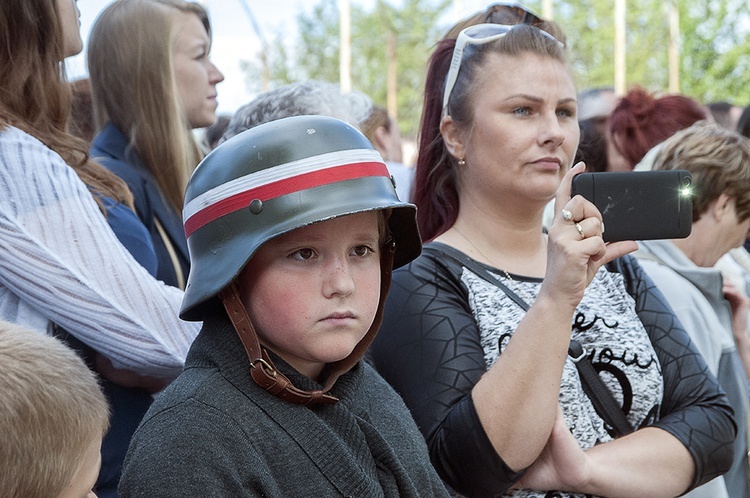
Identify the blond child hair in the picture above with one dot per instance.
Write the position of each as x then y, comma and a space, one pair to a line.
51, 411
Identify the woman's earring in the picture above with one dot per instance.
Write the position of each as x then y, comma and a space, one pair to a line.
461, 161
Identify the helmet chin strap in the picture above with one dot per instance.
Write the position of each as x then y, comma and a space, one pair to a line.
265, 374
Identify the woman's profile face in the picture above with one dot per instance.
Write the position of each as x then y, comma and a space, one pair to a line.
71, 26
195, 74
524, 133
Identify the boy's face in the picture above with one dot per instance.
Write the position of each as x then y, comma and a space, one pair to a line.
312, 293
84, 479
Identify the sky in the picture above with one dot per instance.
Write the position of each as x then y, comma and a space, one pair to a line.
234, 38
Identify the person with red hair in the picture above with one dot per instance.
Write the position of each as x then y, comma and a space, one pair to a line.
641, 120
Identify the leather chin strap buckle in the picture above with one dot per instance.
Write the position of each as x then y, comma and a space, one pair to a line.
262, 370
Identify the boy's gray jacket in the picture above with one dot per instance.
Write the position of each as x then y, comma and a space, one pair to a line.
214, 432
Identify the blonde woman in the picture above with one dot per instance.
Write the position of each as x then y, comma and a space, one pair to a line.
713, 313
152, 83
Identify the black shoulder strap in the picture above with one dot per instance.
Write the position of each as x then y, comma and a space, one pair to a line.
604, 402
481, 271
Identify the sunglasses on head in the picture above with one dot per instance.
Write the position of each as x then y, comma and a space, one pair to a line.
479, 34
510, 13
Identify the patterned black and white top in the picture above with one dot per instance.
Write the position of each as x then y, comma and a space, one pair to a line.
444, 326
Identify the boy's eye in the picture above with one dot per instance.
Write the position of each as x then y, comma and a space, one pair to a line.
303, 254
362, 251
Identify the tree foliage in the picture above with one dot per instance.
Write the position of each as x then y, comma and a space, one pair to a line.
415, 25
714, 47
715, 50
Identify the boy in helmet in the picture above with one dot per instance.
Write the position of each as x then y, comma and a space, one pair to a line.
293, 228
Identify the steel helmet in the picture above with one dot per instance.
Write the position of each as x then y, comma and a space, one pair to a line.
274, 178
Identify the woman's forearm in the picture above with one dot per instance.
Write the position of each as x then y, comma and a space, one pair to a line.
649, 462
516, 400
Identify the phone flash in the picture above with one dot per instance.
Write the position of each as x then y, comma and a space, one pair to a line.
686, 191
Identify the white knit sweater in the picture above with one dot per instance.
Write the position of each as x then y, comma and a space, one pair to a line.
60, 261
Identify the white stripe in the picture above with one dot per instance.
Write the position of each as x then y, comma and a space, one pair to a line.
276, 173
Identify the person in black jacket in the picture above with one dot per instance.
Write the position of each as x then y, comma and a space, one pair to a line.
477, 330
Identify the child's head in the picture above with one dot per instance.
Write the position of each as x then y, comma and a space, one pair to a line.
312, 203
53, 416
313, 293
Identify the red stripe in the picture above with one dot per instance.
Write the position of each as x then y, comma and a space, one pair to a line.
283, 187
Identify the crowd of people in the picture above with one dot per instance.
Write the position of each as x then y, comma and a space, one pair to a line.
288, 308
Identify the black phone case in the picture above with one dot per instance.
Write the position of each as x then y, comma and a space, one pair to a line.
639, 205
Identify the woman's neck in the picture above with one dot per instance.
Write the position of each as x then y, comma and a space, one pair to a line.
510, 241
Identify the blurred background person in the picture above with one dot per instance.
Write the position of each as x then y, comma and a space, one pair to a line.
743, 123
735, 265
592, 147
382, 130
82, 111
725, 113
594, 107
714, 316
596, 104
303, 98
641, 120
153, 82
213, 133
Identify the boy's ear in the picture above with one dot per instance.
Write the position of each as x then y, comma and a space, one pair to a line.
452, 137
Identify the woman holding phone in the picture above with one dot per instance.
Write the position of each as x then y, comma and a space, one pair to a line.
483, 334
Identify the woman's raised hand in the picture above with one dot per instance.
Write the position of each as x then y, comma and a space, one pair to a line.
576, 250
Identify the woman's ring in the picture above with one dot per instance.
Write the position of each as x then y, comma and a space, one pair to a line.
566, 215
580, 230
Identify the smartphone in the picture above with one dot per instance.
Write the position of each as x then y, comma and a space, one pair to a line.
640, 205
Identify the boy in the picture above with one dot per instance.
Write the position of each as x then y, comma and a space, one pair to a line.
53, 417
293, 227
